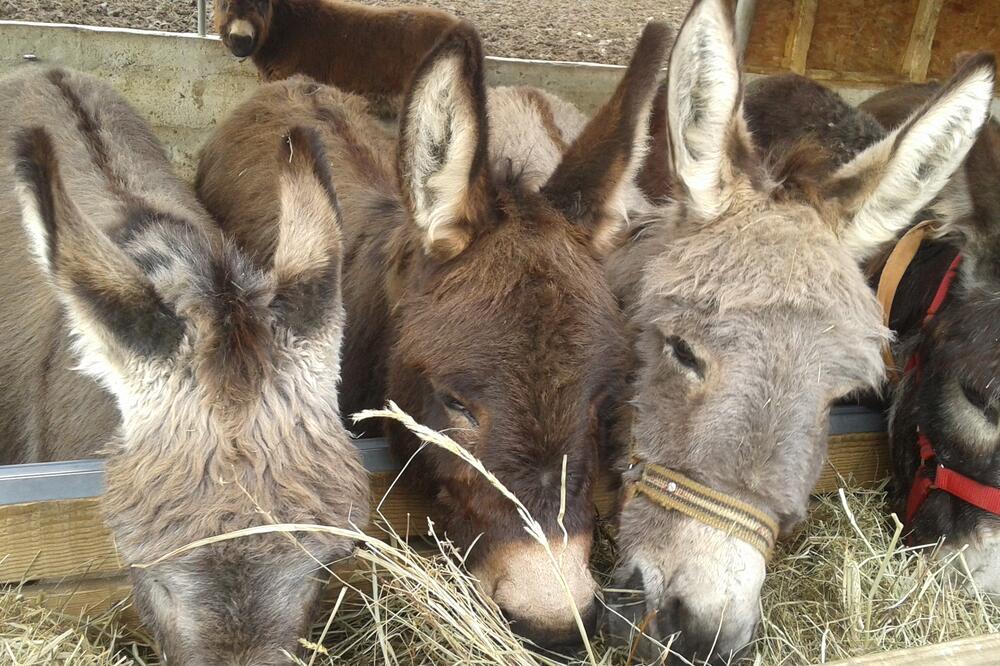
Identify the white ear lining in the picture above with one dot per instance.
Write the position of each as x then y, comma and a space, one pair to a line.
915, 162
702, 99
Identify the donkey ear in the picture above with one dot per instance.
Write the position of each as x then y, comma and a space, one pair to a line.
884, 187
308, 254
586, 186
708, 136
442, 160
109, 299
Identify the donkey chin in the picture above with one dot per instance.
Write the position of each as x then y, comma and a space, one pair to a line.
698, 581
524, 582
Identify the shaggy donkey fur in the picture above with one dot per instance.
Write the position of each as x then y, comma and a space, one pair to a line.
474, 290
210, 387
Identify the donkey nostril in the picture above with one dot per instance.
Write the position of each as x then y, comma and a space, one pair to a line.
240, 45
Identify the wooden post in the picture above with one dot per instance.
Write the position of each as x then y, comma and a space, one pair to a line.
800, 36
917, 56
744, 23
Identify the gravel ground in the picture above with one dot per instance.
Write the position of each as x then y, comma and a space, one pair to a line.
588, 30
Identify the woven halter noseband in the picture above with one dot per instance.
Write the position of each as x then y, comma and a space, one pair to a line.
673, 491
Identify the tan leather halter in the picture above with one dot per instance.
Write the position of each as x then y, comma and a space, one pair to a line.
673, 491
892, 274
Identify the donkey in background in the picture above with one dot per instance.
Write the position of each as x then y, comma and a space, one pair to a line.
952, 397
210, 384
752, 317
474, 290
370, 51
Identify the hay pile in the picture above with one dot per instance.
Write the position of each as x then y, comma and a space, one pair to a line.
31, 634
846, 585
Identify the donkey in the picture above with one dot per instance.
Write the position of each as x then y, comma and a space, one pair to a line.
210, 384
953, 397
948, 398
752, 316
475, 291
371, 51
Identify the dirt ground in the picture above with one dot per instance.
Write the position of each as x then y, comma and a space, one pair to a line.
588, 30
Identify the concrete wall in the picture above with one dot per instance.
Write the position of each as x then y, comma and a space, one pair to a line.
184, 83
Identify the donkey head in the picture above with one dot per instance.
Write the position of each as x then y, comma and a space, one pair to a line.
243, 24
509, 338
753, 317
226, 381
956, 402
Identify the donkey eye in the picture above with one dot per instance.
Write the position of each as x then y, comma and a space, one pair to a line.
683, 353
455, 405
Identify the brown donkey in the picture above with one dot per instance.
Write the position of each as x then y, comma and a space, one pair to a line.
370, 51
475, 291
753, 316
224, 376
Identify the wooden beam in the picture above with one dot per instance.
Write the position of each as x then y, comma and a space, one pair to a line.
974, 651
67, 540
800, 36
744, 22
917, 56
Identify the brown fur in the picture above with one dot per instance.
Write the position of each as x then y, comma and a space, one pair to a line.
228, 413
370, 51
476, 300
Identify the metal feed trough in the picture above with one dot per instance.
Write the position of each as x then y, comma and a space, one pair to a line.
52, 538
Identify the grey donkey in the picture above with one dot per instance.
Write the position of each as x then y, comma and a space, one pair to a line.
751, 317
208, 384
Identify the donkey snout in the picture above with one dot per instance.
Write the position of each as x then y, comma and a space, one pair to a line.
241, 38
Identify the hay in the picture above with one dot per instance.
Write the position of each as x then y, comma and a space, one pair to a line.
844, 586
31, 634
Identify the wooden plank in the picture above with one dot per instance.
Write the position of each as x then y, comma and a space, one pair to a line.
861, 36
57, 539
89, 597
974, 651
745, 10
860, 457
67, 539
964, 25
800, 37
772, 25
917, 57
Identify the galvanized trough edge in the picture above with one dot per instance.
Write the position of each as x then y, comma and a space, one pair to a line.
78, 479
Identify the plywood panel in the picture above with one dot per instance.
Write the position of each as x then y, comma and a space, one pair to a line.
772, 21
964, 25
861, 35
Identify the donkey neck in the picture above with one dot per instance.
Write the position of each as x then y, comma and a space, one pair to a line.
919, 284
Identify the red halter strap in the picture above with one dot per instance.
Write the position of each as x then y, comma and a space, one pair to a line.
968, 490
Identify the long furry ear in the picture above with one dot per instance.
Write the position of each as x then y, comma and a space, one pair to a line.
107, 296
884, 187
442, 161
308, 254
608, 153
709, 141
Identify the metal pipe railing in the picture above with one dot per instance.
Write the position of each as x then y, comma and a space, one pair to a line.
202, 17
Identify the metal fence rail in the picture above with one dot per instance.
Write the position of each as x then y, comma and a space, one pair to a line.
202, 17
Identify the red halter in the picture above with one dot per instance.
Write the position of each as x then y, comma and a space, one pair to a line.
968, 490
